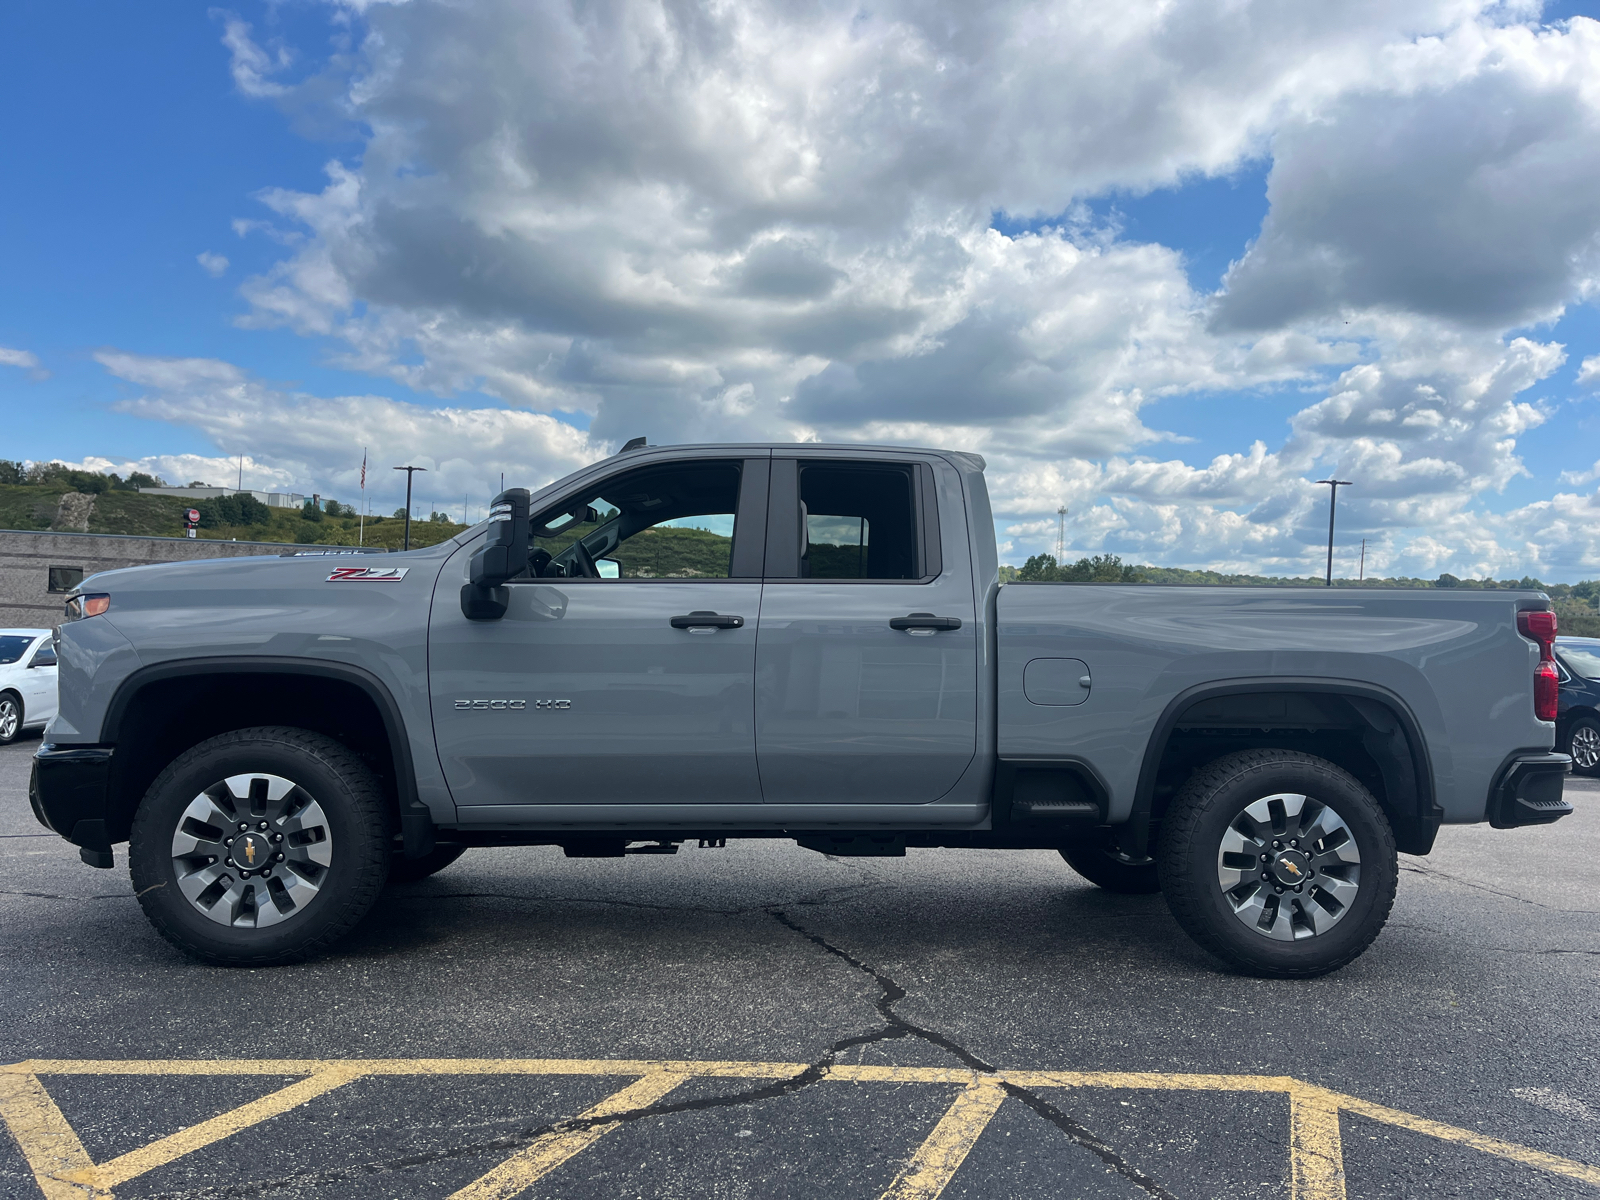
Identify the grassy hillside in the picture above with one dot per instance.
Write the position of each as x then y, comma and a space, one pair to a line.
673, 553
34, 506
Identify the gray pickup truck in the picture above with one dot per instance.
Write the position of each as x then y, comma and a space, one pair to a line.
698, 643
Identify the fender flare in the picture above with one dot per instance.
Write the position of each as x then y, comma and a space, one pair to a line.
1134, 835
394, 726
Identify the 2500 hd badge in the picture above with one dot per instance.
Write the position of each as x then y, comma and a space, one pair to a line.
495, 705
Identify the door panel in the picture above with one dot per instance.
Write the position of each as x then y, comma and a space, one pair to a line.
850, 709
39, 696
585, 693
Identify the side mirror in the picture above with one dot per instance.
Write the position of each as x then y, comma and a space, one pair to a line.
609, 568
503, 556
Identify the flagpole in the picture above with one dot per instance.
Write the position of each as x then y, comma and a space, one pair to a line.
361, 536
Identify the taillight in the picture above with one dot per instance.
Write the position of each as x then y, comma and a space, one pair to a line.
1546, 691
1541, 627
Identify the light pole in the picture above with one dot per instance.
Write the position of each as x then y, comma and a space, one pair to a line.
410, 472
1333, 496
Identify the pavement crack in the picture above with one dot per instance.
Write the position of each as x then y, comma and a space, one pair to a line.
1080, 1135
896, 1026
1435, 873
1525, 950
54, 896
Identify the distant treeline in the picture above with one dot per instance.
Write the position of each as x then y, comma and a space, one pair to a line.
60, 475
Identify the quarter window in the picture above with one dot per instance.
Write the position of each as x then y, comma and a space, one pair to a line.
65, 579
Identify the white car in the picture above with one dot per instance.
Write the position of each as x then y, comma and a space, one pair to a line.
27, 681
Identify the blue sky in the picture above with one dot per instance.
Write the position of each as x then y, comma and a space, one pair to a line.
136, 140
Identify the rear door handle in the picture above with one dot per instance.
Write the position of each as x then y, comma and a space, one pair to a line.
924, 621
707, 620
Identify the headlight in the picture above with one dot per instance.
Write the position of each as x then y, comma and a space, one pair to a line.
91, 605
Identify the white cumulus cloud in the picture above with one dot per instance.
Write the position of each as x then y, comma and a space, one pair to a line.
25, 359
765, 220
311, 443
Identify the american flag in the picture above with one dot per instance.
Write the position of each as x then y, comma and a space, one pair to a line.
363, 468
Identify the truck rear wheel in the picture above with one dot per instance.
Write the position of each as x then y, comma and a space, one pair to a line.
1279, 863
1102, 862
260, 847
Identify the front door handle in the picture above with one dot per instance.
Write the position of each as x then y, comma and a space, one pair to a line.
925, 621
707, 620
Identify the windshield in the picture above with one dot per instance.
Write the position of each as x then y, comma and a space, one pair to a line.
1582, 658
13, 647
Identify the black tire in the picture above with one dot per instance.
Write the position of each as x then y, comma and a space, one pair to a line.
1193, 859
410, 870
11, 717
1583, 743
356, 825
1099, 860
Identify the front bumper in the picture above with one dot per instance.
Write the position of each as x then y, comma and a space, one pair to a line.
1529, 791
69, 791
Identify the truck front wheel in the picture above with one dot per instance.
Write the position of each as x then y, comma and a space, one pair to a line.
1279, 863
260, 847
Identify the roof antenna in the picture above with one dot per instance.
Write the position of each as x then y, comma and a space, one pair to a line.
637, 443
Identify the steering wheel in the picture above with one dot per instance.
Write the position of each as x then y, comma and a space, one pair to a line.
584, 561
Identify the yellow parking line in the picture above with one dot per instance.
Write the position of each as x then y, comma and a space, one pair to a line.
64, 1170
935, 1163
409, 1066
1316, 1150
159, 1153
1152, 1080
47, 1142
1526, 1155
524, 1168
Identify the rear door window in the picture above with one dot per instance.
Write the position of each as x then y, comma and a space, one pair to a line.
860, 522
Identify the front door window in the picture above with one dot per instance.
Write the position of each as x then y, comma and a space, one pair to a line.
669, 522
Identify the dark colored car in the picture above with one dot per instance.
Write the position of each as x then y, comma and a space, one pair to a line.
1578, 717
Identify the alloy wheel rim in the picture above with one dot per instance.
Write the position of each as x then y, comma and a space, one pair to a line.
252, 850
1586, 746
8, 719
1288, 866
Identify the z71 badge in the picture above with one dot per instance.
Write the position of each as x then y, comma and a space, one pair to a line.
368, 574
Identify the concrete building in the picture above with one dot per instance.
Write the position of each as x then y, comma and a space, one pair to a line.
270, 499
37, 570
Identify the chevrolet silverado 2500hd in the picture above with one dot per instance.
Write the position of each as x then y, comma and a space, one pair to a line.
801, 641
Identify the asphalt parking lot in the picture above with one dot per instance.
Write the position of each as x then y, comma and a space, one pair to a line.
760, 1020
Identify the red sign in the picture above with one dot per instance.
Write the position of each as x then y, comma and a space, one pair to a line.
194, 516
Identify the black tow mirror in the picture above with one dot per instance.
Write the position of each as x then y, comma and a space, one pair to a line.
503, 556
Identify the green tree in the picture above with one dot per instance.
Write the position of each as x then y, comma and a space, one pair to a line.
1040, 568
1102, 568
